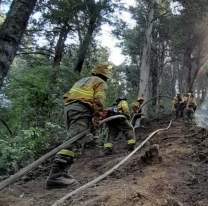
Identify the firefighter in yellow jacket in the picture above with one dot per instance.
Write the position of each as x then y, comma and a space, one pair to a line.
84, 101
190, 106
178, 104
135, 110
136, 105
120, 125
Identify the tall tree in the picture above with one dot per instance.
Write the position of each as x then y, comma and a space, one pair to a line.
11, 33
96, 12
145, 62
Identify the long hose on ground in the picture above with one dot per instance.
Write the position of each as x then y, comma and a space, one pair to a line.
39, 161
61, 201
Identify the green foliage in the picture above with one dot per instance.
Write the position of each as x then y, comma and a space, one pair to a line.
23, 149
33, 111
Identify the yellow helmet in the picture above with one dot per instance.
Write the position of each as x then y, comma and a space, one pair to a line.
102, 69
140, 98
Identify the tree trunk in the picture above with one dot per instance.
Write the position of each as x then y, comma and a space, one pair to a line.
180, 77
84, 46
204, 93
59, 49
174, 69
187, 69
145, 65
11, 33
160, 73
154, 74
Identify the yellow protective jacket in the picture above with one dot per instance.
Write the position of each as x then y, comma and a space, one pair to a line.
192, 102
177, 100
135, 107
91, 91
123, 107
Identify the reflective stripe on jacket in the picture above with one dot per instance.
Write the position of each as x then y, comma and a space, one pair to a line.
91, 91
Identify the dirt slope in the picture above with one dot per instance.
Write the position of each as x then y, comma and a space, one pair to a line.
180, 179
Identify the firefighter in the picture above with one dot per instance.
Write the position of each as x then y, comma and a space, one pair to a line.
136, 105
178, 104
120, 125
189, 109
84, 101
135, 110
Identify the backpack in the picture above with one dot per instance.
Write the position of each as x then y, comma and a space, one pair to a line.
105, 113
110, 111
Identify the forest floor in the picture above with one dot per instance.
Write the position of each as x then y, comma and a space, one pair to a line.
180, 179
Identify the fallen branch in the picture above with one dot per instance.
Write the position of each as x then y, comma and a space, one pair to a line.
61, 201
35, 164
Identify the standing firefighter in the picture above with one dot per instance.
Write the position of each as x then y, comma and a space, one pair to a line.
189, 109
178, 104
120, 125
83, 102
136, 110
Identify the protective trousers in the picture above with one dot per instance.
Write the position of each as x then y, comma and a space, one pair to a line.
77, 118
116, 126
179, 110
188, 116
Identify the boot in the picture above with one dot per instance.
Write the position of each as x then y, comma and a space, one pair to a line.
56, 178
67, 175
130, 147
108, 151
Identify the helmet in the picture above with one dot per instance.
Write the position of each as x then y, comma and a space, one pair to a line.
140, 99
178, 93
102, 69
121, 98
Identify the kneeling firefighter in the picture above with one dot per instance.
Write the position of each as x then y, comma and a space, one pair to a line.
84, 101
120, 125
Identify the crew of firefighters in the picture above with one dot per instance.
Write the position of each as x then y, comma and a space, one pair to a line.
185, 108
84, 105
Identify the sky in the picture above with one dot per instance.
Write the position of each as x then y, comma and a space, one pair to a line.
107, 40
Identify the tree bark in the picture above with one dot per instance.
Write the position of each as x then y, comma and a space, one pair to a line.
59, 49
84, 46
155, 75
187, 69
11, 33
145, 65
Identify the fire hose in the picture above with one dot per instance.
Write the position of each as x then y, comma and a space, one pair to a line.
61, 201
39, 161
